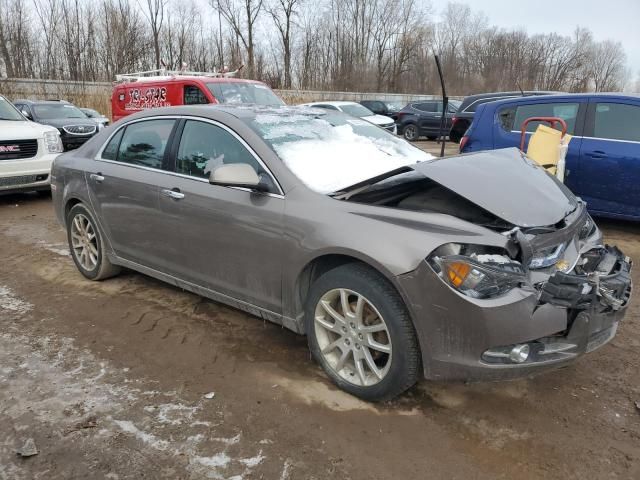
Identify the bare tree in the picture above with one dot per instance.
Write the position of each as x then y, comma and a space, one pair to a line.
154, 14
241, 15
282, 13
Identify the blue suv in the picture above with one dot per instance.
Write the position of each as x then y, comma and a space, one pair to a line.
603, 161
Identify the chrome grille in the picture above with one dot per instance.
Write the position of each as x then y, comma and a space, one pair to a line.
18, 149
80, 129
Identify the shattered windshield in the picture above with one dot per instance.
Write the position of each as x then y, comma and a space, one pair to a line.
329, 151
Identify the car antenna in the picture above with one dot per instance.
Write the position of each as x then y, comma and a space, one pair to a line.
520, 88
445, 104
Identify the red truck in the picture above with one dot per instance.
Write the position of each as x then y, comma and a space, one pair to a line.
133, 92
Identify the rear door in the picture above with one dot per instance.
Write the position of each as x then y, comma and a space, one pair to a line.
429, 119
509, 120
123, 186
610, 157
229, 240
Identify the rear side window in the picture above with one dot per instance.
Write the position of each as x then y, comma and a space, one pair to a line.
110, 152
204, 147
511, 118
144, 143
426, 107
617, 121
194, 96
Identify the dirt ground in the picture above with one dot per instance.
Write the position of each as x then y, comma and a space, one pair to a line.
111, 379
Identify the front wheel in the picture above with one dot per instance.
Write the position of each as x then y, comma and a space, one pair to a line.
87, 246
410, 132
360, 332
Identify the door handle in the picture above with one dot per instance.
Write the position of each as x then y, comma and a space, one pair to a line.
597, 154
176, 194
97, 177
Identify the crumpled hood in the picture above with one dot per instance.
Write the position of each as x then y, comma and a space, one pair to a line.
506, 183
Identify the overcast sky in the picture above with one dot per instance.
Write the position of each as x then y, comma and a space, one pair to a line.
614, 19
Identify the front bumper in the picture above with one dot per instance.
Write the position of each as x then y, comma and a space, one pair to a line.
26, 174
558, 322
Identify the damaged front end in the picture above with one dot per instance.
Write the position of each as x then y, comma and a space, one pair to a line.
564, 290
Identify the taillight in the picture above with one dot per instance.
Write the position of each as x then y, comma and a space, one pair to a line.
463, 142
400, 115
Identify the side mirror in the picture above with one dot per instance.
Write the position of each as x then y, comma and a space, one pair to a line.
26, 114
238, 175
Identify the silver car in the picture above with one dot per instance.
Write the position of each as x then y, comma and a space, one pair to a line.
394, 264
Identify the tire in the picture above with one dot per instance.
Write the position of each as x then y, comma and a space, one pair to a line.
410, 132
454, 136
337, 346
93, 264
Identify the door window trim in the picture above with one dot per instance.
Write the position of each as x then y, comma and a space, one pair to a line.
590, 119
169, 150
579, 125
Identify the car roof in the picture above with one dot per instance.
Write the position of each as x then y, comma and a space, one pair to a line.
564, 96
187, 78
43, 102
244, 112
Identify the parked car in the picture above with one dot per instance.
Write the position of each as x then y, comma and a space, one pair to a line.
137, 92
97, 117
394, 264
422, 119
603, 161
464, 115
383, 107
74, 126
26, 151
356, 110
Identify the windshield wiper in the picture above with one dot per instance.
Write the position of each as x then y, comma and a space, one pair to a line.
348, 192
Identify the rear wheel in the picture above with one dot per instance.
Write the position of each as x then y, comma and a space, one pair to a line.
360, 332
86, 245
410, 132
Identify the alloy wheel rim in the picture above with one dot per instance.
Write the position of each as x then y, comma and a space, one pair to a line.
84, 242
353, 337
410, 133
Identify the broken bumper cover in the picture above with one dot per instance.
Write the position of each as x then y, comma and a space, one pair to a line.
469, 339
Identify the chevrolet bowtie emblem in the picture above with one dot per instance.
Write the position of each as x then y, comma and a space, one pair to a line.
562, 265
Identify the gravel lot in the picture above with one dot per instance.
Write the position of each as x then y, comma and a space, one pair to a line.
111, 380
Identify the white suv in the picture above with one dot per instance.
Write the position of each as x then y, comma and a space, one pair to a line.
27, 150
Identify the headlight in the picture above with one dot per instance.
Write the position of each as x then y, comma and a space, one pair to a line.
52, 142
484, 274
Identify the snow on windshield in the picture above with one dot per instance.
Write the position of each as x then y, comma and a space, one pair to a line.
332, 151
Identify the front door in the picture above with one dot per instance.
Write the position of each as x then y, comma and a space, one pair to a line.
123, 187
610, 157
229, 240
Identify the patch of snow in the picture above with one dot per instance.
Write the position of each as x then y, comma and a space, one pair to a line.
228, 441
253, 461
216, 461
328, 158
147, 438
9, 301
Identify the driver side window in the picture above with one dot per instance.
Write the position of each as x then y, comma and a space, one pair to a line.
204, 147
